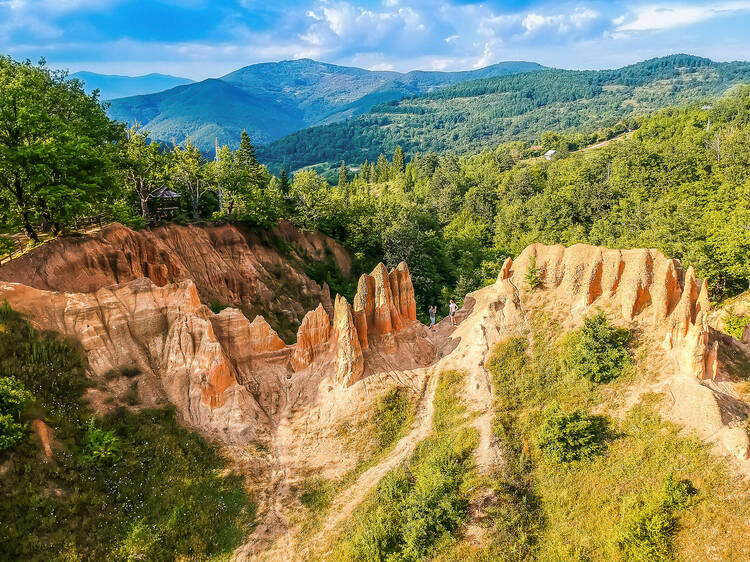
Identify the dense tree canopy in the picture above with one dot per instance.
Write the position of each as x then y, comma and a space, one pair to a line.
57, 148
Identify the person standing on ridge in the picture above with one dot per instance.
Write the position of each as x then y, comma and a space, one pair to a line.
433, 313
453, 308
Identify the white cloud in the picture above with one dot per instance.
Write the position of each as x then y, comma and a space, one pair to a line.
658, 17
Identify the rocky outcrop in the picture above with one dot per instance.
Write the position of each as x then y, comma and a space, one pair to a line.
384, 303
312, 338
640, 289
227, 263
244, 340
163, 331
349, 361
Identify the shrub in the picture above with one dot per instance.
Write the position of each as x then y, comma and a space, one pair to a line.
649, 532
734, 325
100, 447
217, 306
131, 396
13, 395
11, 432
648, 536
570, 437
533, 275
599, 351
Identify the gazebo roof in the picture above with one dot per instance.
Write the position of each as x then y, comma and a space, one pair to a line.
164, 193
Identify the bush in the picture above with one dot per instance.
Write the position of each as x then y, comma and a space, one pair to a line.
100, 447
570, 437
533, 275
649, 533
217, 306
13, 396
11, 432
599, 351
734, 325
648, 536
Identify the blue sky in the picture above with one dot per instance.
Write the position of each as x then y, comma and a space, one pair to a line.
199, 39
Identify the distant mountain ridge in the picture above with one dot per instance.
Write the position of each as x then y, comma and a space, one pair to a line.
271, 100
472, 115
117, 86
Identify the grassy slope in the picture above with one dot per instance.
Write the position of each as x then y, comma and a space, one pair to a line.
165, 496
417, 507
584, 510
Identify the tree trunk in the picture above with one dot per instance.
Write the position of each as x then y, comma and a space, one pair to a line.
196, 205
30, 232
144, 208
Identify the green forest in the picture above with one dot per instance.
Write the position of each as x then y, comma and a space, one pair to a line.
484, 113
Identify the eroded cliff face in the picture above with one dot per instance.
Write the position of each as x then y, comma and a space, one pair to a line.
164, 332
227, 376
228, 264
642, 290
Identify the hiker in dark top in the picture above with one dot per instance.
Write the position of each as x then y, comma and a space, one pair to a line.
433, 313
453, 308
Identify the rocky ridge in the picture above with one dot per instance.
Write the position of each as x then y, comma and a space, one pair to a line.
229, 265
227, 376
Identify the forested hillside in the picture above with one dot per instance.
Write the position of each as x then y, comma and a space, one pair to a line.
270, 100
483, 113
679, 184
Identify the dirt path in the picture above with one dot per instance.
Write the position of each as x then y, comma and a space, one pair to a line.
348, 499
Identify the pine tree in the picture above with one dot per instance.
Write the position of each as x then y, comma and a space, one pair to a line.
247, 150
364, 171
284, 181
248, 163
399, 163
382, 169
343, 175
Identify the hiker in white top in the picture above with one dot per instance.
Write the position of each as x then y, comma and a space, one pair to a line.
453, 308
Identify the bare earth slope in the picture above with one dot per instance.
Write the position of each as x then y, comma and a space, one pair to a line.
236, 381
229, 264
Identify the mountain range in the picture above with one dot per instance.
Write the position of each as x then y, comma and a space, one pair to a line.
469, 116
306, 113
271, 100
115, 86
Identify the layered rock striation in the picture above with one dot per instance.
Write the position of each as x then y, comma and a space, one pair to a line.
643, 290
225, 374
229, 264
